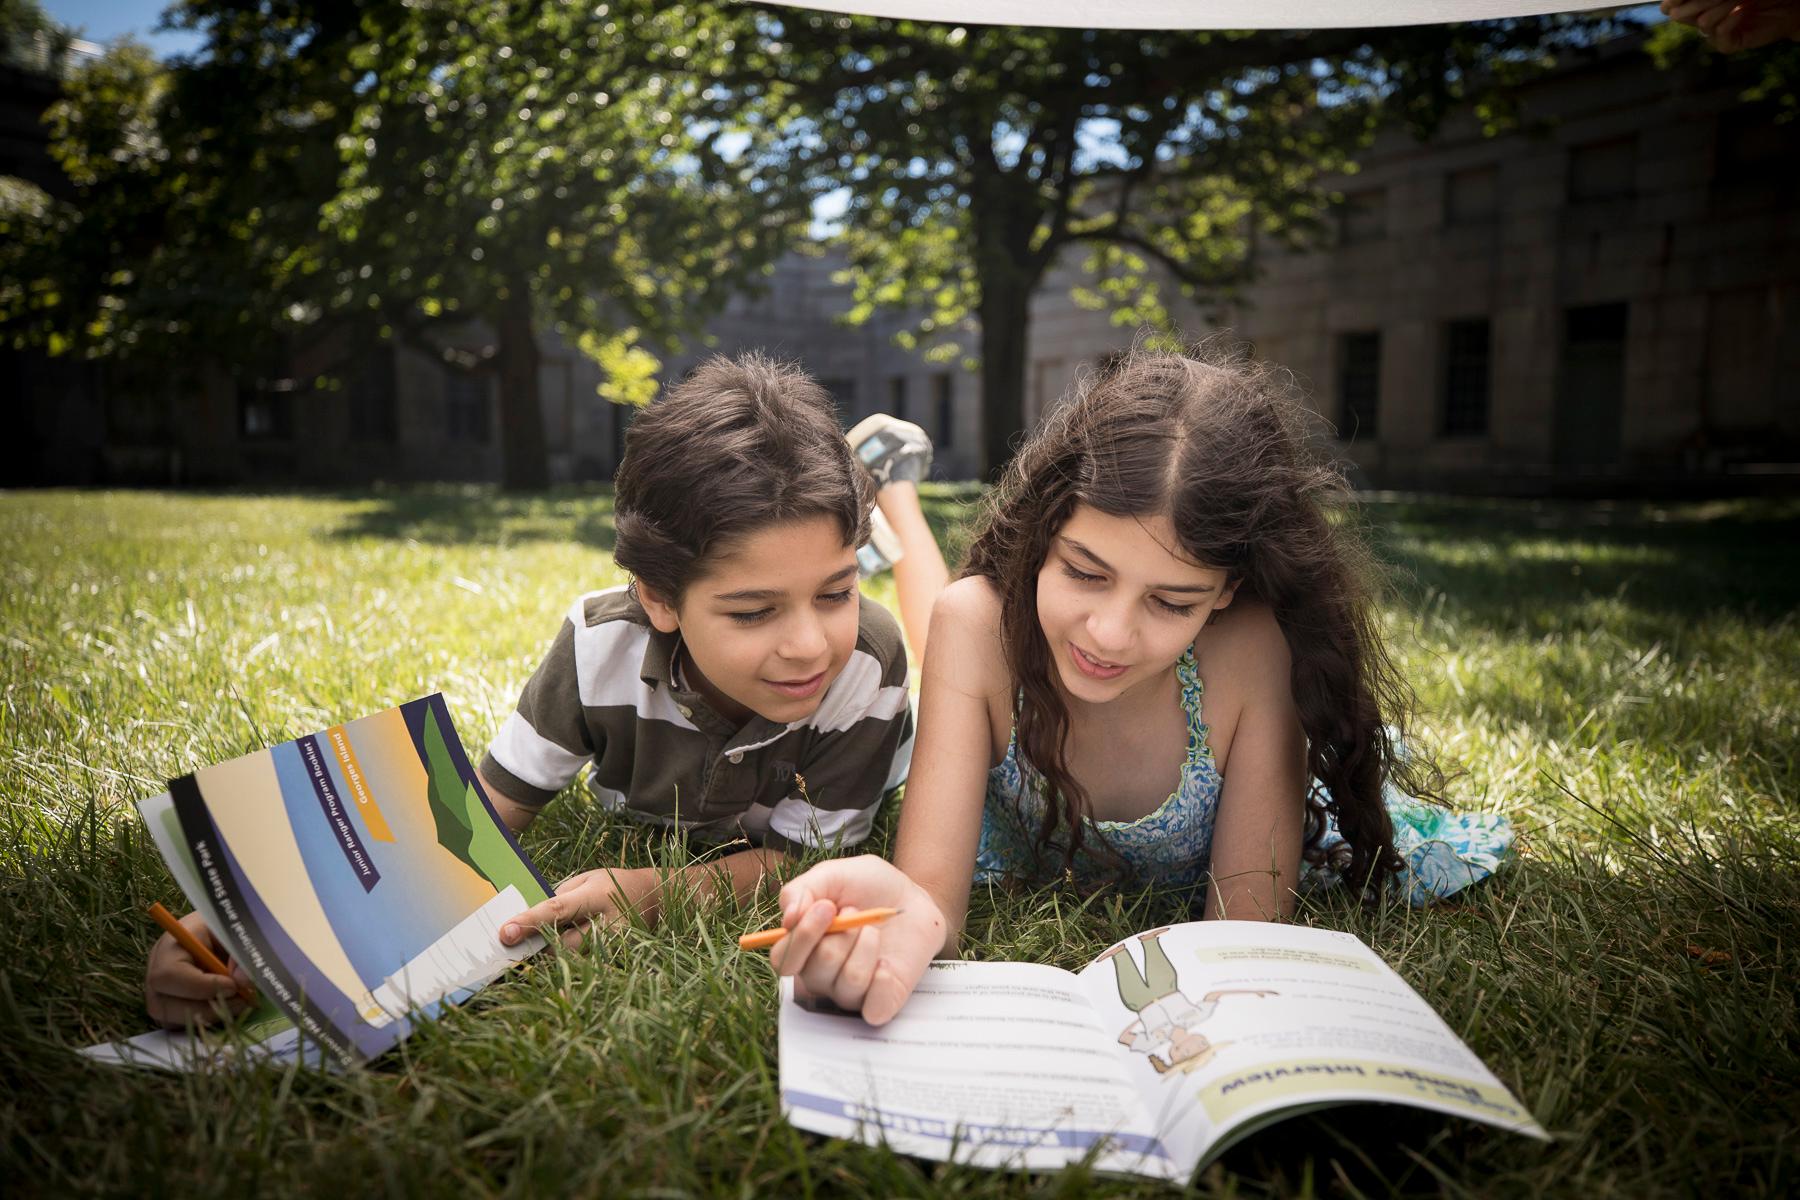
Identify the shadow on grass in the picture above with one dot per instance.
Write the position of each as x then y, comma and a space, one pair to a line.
481, 515
1535, 567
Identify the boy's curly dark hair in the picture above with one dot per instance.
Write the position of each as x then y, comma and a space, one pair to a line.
1214, 442
740, 444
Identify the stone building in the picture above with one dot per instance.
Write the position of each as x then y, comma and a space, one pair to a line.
1606, 299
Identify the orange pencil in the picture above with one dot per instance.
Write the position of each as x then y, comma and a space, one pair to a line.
194, 946
763, 939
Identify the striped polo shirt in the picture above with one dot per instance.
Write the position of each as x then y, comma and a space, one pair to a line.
605, 698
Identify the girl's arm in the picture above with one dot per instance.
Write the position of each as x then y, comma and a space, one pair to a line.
874, 969
965, 675
1256, 839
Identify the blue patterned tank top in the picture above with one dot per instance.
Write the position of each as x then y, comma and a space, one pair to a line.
1170, 846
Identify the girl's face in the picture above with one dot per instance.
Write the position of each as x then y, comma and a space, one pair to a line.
1118, 602
768, 626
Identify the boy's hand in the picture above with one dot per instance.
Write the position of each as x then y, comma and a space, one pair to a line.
602, 897
873, 969
178, 991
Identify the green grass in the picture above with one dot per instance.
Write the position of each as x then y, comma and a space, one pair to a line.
1621, 679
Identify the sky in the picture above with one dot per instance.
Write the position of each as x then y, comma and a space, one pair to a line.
104, 20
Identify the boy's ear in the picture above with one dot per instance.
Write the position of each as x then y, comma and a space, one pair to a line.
662, 614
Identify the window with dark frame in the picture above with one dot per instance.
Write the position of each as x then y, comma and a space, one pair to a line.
466, 416
1363, 217
1359, 384
1467, 370
622, 416
370, 395
1472, 195
943, 391
265, 411
843, 396
897, 397
1603, 170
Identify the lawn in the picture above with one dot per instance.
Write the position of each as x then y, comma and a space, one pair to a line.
1624, 680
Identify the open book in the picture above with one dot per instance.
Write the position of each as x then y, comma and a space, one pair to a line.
1153, 1059
359, 876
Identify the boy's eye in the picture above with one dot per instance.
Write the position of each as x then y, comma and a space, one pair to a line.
750, 618
1078, 576
842, 597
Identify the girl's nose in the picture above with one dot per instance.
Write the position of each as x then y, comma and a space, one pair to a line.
1110, 626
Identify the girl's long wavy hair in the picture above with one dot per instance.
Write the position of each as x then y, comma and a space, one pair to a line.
1215, 443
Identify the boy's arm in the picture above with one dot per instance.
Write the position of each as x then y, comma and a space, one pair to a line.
516, 813
612, 894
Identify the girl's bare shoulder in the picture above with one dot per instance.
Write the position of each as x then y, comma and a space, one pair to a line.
965, 636
1245, 651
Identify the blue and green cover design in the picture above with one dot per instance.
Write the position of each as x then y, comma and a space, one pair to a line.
337, 859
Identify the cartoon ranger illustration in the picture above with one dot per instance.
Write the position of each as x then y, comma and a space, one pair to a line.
1166, 1028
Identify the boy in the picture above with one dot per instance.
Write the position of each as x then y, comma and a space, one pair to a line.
739, 687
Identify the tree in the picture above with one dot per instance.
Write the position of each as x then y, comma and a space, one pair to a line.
527, 164
458, 177
975, 158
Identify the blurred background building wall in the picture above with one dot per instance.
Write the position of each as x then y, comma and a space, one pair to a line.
1606, 299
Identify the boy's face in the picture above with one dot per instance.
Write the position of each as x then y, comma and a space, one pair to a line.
1118, 602
770, 623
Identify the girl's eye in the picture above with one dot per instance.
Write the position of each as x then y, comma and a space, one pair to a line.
749, 618
1078, 576
1175, 610
842, 597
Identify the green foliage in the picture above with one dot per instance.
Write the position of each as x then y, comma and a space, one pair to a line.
1617, 678
455, 176
975, 158
1770, 75
554, 147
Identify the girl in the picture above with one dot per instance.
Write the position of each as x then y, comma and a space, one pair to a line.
1161, 539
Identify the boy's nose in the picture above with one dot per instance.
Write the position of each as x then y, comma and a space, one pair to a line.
805, 640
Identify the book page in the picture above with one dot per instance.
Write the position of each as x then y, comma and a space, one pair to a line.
995, 1064
1223, 1024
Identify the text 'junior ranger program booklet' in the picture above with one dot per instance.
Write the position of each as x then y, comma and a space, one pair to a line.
359, 876
1153, 1059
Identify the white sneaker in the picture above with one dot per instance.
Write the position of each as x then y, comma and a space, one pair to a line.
890, 449
882, 549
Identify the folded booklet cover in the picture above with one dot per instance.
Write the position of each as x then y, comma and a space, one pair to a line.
359, 876
1153, 1059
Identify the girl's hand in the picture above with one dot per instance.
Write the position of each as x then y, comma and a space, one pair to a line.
603, 897
872, 969
178, 991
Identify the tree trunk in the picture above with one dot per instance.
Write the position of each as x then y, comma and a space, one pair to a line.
524, 461
1007, 272
1005, 312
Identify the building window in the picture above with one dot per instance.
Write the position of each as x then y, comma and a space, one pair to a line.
1602, 170
466, 407
843, 395
1750, 150
1359, 384
897, 397
622, 416
370, 395
1472, 195
943, 392
1466, 374
1363, 217
265, 411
